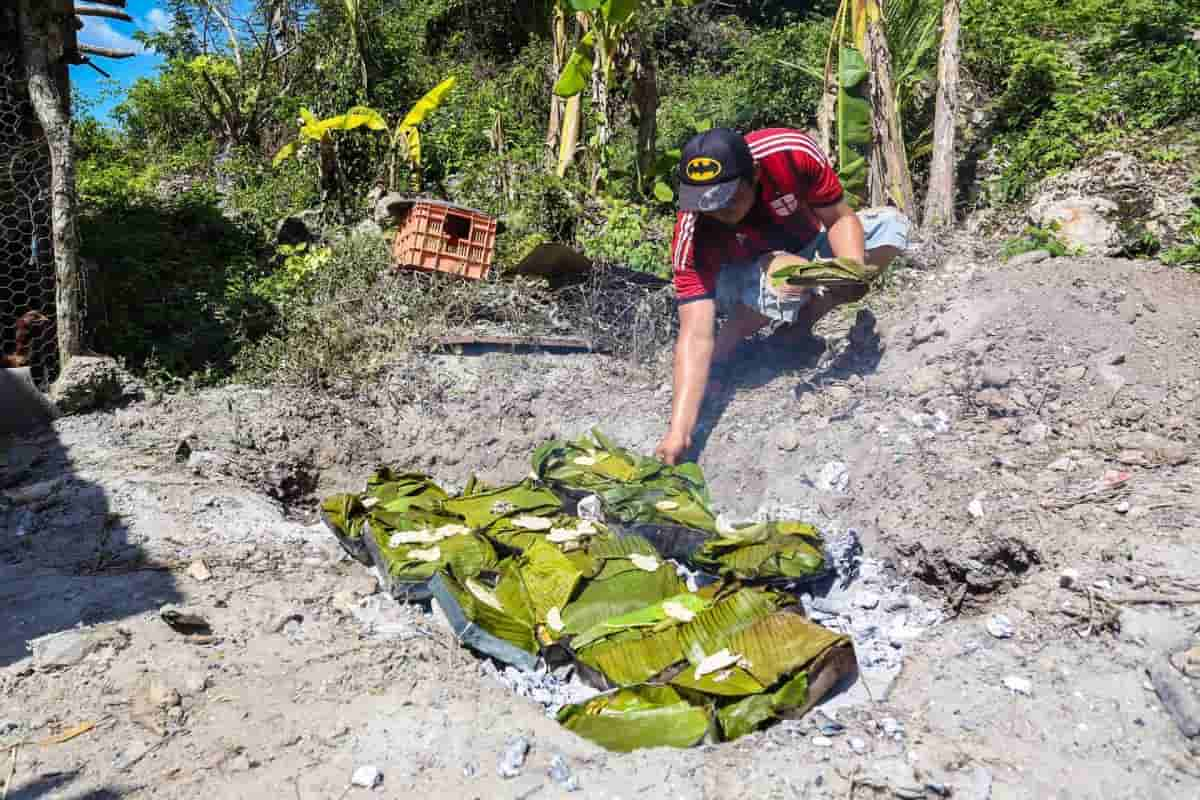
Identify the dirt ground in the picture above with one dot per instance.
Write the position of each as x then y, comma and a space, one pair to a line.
1017, 454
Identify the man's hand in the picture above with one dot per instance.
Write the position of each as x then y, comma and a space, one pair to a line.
672, 447
777, 262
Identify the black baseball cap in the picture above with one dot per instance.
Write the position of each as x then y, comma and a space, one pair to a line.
710, 167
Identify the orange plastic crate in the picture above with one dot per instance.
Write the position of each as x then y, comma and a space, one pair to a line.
441, 237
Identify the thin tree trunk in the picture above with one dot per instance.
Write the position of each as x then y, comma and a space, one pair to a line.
600, 108
891, 179
825, 114
558, 105
51, 106
939, 202
572, 126
645, 102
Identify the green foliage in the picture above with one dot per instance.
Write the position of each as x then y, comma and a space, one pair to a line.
1036, 238
628, 235
1070, 78
1187, 253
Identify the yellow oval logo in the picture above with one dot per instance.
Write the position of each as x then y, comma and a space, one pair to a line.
703, 169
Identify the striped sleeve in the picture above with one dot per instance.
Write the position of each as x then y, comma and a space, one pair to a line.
691, 281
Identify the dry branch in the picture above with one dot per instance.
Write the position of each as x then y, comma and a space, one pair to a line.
104, 52
96, 11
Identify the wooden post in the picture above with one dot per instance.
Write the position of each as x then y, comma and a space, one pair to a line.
889, 157
939, 202
39, 22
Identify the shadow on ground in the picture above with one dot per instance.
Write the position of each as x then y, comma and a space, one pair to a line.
66, 558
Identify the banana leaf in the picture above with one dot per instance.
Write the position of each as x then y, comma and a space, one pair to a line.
405, 569
664, 502
344, 516
822, 272
765, 550
713, 629
780, 644
853, 122
636, 717
634, 656
732, 682
549, 578
744, 716
478, 624
565, 532
654, 616
602, 599
400, 491
484, 508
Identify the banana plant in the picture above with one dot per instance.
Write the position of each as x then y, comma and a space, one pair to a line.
404, 137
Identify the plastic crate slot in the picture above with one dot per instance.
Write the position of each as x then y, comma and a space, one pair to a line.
457, 227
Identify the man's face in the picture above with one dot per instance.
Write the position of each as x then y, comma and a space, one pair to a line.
743, 201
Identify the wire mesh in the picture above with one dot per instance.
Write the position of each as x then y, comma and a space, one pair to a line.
27, 278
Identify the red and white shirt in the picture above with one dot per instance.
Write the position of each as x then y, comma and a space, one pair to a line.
794, 177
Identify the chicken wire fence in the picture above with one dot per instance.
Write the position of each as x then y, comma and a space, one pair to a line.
27, 276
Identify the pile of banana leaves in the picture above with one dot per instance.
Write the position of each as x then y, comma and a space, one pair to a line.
821, 272
521, 577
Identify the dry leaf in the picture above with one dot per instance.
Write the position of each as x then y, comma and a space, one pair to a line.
69, 733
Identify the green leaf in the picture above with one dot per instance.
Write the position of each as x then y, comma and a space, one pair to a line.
732, 682
427, 104
577, 72
764, 550
632, 659
636, 717
649, 616
780, 644
599, 600
852, 68
584, 5
618, 12
484, 508
285, 152
738, 719
714, 629
550, 578
663, 192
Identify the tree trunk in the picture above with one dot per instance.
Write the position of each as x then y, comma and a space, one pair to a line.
572, 125
600, 108
50, 104
939, 202
825, 114
558, 105
645, 103
890, 179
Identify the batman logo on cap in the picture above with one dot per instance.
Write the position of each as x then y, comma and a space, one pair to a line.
703, 169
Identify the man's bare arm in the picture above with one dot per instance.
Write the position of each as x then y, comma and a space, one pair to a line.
846, 237
693, 357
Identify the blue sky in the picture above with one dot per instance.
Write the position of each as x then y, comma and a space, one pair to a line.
100, 93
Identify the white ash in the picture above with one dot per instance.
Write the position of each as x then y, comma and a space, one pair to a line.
551, 689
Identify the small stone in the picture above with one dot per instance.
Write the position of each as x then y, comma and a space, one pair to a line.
199, 571
788, 440
184, 620
513, 758
1063, 464
1188, 662
560, 773
822, 741
366, 776
1177, 697
7, 726
975, 508
241, 763
62, 650
858, 744
195, 683
923, 380
925, 332
995, 377
866, 600
278, 622
1068, 577
1019, 685
160, 695
834, 477
1123, 507
891, 726
1034, 434
1139, 582
1000, 626
1028, 259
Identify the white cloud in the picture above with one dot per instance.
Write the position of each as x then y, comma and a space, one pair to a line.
158, 21
99, 32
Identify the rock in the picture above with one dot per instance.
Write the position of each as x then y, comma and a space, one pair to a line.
1063, 464
788, 439
822, 741
366, 776
388, 207
1177, 696
925, 332
834, 477
996, 402
194, 683
923, 380
184, 620
62, 650
1187, 662
160, 695
975, 507
278, 622
1028, 259
866, 600
1068, 578
7, 726
513, 758
1000, 626
891, 726
1019, 685
995, 377
858, 744
199, 571
1122, 507
241, 763
591, 508
560, 773
88, 383
1153, 449
1035, 433
1089, 224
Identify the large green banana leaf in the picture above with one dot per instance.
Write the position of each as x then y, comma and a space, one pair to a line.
344, 516
481, 622
853, 122
743, 716
463, 554
601, 599
636, 717
712, 630
822, 272
779, 644
549, 578
764, 550
484, 508
635, 656
672, 611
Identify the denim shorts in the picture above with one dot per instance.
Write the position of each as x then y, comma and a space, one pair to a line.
745, 283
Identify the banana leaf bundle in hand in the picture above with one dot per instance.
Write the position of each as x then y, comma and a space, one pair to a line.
794, 271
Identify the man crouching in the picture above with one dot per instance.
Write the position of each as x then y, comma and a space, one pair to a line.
748, 207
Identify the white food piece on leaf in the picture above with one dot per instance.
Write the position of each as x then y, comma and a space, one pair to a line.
400, 538
678, 611
647, 563
484, 594
722, 659
432, 554
585, 526
447, 531
554, 619
666, 505
370, 502
584, 461
561, 535
532, 523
